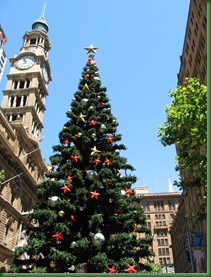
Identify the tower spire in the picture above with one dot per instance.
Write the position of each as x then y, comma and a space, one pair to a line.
170, 186
43, 12
41, 24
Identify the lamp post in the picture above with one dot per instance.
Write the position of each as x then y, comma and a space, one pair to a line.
187, 235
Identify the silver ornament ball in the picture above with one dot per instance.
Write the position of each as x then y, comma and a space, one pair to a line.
91, 175
53, 200
98, 239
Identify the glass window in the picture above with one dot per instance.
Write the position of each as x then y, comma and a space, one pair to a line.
158, 206
171, 204
145, 205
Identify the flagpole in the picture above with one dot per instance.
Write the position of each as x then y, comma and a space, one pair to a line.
29, 153
20, 173
10, 179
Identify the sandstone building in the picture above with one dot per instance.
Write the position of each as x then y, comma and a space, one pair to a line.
21, 116
160, 209
193, 64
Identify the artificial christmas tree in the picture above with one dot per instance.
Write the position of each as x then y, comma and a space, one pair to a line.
88, 216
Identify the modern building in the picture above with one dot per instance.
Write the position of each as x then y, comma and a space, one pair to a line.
193, 64
21, 116
160, 209
3, 56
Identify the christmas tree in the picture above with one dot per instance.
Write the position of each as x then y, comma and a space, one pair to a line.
88, 218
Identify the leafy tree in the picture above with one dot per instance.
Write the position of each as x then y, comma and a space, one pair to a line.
88, 216
186, 126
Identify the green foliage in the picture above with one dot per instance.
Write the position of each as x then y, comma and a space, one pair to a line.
87, 160
186, 126
152, 268
2, 175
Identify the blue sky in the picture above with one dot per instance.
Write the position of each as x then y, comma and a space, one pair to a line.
139, 43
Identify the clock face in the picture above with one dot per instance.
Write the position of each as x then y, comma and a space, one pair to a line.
25, 62
45, 72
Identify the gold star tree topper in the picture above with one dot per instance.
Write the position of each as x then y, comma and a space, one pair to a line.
90, 49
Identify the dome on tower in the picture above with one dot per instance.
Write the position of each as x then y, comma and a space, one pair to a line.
41, 24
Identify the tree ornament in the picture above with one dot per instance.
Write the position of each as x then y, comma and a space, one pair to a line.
123, 192
84, 101
98, 239
113, 121
92, 123
102, 129
65, 141
91, 175
112, 269
94, 194
131, 268
97, 78
118, 174
93, 135
69, 178
34, 221
107, 161
75, 158
53, 200
65, 188
94, 150
71, 269
90, 49
79, 135
81, 117
72, 218
91, 107
128, 192
73, 244
81, 268
109, 139
58, 236
92, 62
96, 161
85, 87
61, 213
116, 151
52, 264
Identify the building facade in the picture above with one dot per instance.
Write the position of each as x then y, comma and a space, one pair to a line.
21, 115
193, 61
160, 209
193, 64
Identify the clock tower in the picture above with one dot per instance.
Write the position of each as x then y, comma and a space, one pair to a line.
26, 88
21, 114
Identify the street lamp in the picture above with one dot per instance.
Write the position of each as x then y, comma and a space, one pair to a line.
187, 235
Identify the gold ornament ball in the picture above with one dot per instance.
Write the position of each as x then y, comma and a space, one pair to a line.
61, 213
93, 135
113, 121
52, 264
